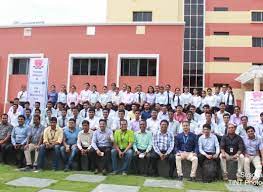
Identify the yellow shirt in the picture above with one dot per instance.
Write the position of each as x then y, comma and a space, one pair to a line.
53, 136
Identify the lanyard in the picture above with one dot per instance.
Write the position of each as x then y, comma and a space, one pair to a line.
185, 139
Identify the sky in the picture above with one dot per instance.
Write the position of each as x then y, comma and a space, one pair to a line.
52, 11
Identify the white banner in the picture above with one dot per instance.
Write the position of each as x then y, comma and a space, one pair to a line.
253, 106
38, 81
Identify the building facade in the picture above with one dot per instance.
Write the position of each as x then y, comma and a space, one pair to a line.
194, 43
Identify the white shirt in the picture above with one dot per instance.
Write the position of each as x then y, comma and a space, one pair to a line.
153, 125
173, 127
177, 100
150, 98
84, 95
136, 97
93, 123
72, 97
211, 100
196, 101
84, 113
116, 99
171, 95
218, 99
203, 118
203, 102
13, 118
220, 130
112, 114
161, 98
62, 97
116, 124
127, 98
98, 113
162, 116
94, 97
104, 98
20, 109
194, 128
187, 98
230, 100
60, 122
220, 118
22, 96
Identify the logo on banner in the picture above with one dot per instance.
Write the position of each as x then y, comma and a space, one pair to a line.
256, 96
38, 64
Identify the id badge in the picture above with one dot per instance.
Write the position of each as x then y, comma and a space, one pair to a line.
231, 149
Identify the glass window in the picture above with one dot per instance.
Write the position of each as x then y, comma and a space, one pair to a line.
257, 42
257, 16
89, 66
142, 16
138, 67
220, 8
221, 33
20, 66
221, 58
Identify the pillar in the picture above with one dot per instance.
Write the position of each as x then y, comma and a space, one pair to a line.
256, 84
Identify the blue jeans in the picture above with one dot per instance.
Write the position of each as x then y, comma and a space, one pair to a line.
68, 160
127, 160
42, 155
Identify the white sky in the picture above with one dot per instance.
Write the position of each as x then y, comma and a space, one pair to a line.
52, 11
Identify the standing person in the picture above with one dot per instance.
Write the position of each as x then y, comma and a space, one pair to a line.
127, 98
69, 144
196, 101
111, 92
218, 98
151, 96
62, 95
84, 94
28, 117
22, 96
116, 98
229, 100
163, 145
232, 147
211, 99
163, 114
104, 97
142, 146
5, 135
52, 139
109, 120
203, 101
223, 92
20, 109
186, 148
139, 97
253, 146
123, 141
209, 149
169, 95
101, 146
53, 95
34, 141
94, 96
19, 139
161, 97
72, 96
84, 144
177, 99
187, 98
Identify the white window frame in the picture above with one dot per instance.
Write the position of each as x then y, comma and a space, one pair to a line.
137, 56
10, 67
87, 56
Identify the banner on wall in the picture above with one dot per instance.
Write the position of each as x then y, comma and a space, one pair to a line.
38, 81
253, 105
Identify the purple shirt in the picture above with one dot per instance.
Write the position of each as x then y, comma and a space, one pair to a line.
135, 125
236, 120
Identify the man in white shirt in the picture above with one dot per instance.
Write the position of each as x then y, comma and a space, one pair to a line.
124, 89
194, 127
20, 109
196, 116
116, 98
63, 119
186, 97
117, 120
161, 97
85, 111
169, 94
210, 99
139, 96
163, 114
223, 92
78, 119
13, 116
241, 129
94, 96
84, 94
93, 121
112, 91
109, 120
222, 127
220, 113
153, 123
104, 97
22, 95
208, 117
112, 113
174, 125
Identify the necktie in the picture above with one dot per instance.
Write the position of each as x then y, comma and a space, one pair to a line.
85, 114
178, 100
227, 101
63, 122
225, 129
168, 102
139, 97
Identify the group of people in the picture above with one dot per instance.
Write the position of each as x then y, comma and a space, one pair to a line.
158, 125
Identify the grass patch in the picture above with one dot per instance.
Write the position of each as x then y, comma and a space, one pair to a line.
73, 186
124, 180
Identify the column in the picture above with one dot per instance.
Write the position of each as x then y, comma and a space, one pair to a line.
256, 84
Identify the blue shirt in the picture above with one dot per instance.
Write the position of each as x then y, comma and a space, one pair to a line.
146, 115
53, 97
71, 136
187, 143
28, 120
19, 135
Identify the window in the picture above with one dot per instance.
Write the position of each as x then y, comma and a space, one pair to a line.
221, 33
89, 66
257, 16
257, 41
20, 66
257, 64
221, 58
220, 8
138, 67
142, 16
220, 85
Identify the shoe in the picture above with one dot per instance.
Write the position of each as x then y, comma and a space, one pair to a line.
66, 169
180, 178
27, 168
96, 171
225, 177
104, 172
193, 179
34, 168
113, 173
124, 174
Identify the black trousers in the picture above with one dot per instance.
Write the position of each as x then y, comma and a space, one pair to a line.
20, 157
202, 159
170, 158
104, 159
136, 161
5, 149
90, 163
230, 109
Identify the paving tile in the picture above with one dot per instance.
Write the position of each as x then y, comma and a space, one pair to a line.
115, 188
86, 178
52, 190
31, 182
200, 191
244, 187
163, 183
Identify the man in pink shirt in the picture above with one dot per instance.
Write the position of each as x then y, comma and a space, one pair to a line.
179, 115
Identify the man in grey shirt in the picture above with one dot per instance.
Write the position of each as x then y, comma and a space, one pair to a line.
34, 140
5, 134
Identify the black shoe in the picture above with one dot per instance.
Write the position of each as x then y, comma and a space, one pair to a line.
96, 171
193, 179
66, 169
180, 178
27, 168
104, 172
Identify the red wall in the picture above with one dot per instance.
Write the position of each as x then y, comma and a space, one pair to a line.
58, 42
235, 5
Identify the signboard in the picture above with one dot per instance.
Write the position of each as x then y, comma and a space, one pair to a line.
38, 81
253, 106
